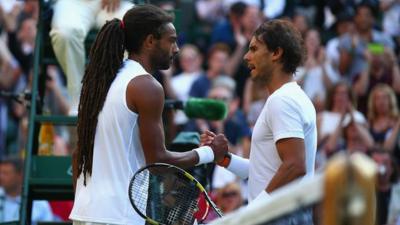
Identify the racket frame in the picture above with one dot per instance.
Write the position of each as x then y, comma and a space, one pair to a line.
183, 172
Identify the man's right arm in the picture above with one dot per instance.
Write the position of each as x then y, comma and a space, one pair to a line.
145, 96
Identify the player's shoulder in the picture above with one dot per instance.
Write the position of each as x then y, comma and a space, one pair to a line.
287, 91
145, 84
144, 90
291, 96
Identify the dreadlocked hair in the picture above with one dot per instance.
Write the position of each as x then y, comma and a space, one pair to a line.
105, 59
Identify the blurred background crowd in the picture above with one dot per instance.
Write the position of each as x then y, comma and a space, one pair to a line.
351, 74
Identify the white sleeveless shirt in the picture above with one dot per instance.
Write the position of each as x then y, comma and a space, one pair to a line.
117, 155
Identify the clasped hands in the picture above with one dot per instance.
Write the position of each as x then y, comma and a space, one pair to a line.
218, 143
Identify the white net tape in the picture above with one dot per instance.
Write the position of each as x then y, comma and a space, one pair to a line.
296, 196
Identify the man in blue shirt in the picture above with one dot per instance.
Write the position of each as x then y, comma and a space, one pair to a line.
11, 176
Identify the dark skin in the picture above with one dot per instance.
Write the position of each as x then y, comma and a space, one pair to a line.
145, 96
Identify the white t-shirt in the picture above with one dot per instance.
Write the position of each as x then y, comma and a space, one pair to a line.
288, 113
117, 155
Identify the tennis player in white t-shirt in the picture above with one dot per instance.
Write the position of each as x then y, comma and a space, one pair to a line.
284, 139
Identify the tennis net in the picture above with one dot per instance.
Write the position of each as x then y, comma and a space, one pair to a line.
344, 193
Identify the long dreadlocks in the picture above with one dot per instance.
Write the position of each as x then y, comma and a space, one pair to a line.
105, 59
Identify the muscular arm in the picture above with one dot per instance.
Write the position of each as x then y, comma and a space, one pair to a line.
145, 96
292, 153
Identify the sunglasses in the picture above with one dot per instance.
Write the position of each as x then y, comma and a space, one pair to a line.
230, 194
221, 98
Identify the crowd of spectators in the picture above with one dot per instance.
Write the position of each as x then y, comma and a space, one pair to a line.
351, 74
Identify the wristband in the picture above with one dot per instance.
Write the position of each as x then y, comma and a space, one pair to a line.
205, 153
239, 166
226, 160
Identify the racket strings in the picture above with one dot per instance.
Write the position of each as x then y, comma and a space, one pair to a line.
167, 197
186, 204
139, 191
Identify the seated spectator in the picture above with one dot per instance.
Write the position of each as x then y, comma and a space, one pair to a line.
217, 58
301, 22
11, 177
313, 77
21, 40
350, 136
237, 33
340, 101
229, 197
10, 75
352, 46
382, 68
344, 24
223, 32
382, 113
190, 60
56, 97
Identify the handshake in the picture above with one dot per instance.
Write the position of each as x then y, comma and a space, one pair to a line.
217, 143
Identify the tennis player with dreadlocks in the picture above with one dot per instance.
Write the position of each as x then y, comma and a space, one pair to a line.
119, 120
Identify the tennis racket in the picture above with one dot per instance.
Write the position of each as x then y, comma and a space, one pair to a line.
165, 194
